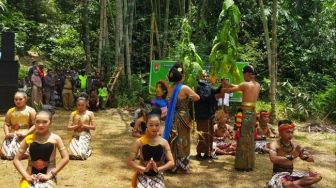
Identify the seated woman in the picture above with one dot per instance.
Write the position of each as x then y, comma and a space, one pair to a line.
139, 128
155, 156
263, 131
81, 122
18, 124
282, 153
42, 144
223, 143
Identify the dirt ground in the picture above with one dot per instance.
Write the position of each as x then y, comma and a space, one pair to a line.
107, 168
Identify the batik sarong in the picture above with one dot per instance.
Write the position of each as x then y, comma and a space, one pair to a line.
38, 184
245, 155
80, 146
144, 181
261, 146
10, 148
276, 181
220, 143
180, 136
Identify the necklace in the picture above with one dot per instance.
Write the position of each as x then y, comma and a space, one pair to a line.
286, 147
40, 138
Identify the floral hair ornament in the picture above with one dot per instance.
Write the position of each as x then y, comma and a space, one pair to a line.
286, 126
179, 69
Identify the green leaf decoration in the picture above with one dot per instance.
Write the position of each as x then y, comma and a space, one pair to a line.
224, 50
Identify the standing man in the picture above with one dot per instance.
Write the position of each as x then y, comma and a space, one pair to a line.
245, 155
204, 109
49, 87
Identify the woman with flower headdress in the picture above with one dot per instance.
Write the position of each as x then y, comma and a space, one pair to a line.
178, 121
282, 153
42, 146
154, 155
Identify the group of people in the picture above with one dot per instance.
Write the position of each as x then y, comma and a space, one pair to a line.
28, 136
62, 88
161, 148
248, 137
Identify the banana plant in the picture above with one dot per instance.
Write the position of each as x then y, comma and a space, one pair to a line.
188, 55
223, 54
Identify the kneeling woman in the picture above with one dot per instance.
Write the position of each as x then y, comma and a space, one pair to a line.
81, 122
153, 151
42, 169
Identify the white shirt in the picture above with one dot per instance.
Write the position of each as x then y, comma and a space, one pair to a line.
224, 101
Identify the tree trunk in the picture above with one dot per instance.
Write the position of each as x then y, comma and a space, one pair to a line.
182, 8
86, 36
130, 24
126, 41
266, 33
274, 60
119, 59
101, 32
165, 32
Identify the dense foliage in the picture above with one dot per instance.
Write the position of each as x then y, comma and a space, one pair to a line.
306, 69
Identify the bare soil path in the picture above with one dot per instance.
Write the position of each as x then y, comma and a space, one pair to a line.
106, 168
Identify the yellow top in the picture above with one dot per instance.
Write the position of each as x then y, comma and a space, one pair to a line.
19, 119
85, 117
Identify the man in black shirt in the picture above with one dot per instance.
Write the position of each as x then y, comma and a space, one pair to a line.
204, 110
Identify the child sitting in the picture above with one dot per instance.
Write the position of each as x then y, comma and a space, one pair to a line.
222, 140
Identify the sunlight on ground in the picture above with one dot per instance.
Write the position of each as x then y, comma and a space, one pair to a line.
106, 168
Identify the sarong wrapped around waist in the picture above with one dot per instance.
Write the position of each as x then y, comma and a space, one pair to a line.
276, 181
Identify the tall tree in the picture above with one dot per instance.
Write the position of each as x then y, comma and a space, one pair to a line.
274, 60
266, 33
165, 32
183, 8
126, 41
86, 36
271, 53
102, 32
119, 56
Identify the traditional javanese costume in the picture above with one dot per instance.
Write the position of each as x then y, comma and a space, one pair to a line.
177, 130
80, 144
41, 160
150, 179
280, 172
245, 155
19, 121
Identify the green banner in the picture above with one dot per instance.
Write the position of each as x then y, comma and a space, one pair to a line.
159, 70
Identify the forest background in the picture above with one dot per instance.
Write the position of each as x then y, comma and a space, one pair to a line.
290, 42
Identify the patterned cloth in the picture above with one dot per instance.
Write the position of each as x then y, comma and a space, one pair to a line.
180, 136
144, 181
221, 143
245, 155
38, 184
276, 181
10, 147
80, 146
19, 121
261, 146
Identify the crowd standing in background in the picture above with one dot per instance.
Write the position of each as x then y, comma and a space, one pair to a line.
162, 128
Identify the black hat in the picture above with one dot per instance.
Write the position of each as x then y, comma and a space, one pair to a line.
249, 69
